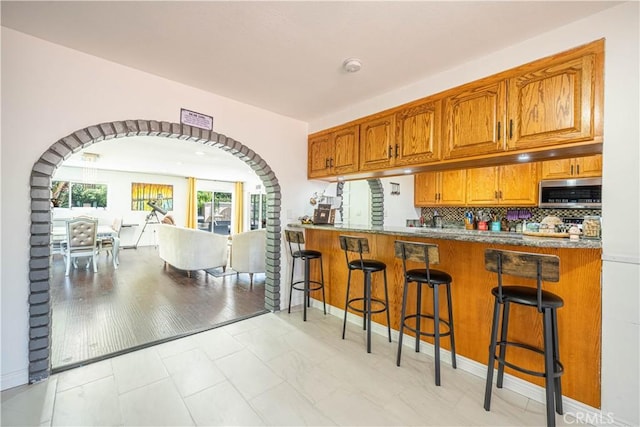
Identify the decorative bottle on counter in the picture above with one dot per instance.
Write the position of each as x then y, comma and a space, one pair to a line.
591, 227
437, 220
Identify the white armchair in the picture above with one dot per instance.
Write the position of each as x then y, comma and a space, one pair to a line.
248, 251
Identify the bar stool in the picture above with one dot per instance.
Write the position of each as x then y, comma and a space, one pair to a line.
360, 245
429, 255
308, 285
532, 266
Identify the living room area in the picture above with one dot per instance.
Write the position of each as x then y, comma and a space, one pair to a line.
160, 281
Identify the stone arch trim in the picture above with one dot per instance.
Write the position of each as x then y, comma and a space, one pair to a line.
41, 217
377, 202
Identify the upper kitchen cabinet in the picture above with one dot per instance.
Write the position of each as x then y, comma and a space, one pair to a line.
555, 103
510, 185
333, 153
377, 142
417, 134
579, 167
551, 102
474, 120
446, 188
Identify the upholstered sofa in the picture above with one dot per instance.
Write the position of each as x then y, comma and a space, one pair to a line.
189, 249
248, 251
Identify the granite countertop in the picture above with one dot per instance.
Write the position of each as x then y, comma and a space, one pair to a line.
460, 234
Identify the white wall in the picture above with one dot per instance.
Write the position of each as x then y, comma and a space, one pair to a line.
49, 92
621, 180
399, 208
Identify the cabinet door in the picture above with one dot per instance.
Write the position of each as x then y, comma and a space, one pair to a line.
453, 187
418, 134
581, 167
556, 169
425, 191
345, 150
518, 185
377, 143
589, 166
482, 186
320, 149
552, 105
474, 121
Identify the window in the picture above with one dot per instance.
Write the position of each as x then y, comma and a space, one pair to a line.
214, 211
67, 194
258, 211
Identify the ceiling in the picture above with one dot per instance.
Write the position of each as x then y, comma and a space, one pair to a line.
286, 57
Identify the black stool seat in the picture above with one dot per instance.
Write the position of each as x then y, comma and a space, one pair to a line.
305, 285
367, 265
307, 253
531, 266
426, 254
528, 296
435, 277
364, 304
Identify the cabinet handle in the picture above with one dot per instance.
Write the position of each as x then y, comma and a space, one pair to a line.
500, 192
326, 163
498, 131
331, 162
577, 169
495, 194
439, 196
390, 152
397, 148
511, 129
571, 169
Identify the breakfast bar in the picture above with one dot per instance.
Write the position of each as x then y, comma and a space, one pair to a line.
462, 256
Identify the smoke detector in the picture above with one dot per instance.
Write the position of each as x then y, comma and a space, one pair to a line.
352, 65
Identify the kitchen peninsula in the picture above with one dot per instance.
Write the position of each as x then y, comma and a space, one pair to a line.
462, 256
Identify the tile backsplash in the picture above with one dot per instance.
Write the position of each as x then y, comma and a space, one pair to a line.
455, 216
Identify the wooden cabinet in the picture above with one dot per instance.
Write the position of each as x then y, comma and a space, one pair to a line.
580, 167
377, 142
447, 188
551, 102
418, 134
333, 153
474, 121
554, 104
511, 185
407, 137
549, 107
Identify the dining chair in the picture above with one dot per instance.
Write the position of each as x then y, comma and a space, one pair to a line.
108, 243
82, 241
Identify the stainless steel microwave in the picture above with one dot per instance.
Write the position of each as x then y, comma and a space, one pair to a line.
582, 193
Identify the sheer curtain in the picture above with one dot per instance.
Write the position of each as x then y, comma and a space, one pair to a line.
238, 217
192, 206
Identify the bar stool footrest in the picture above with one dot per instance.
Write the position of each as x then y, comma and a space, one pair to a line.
427, 334
363, 310
311, 288
558, 369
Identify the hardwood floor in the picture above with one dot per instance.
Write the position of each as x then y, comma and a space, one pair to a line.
142, 303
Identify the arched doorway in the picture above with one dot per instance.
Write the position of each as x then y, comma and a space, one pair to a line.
41, 217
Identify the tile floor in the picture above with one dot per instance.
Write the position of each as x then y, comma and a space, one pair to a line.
272, 369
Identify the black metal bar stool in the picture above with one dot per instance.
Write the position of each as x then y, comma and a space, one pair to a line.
429, 255
308, 285
360, 245
532, 266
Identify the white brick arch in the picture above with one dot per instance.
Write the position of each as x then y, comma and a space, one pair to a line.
41, 217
